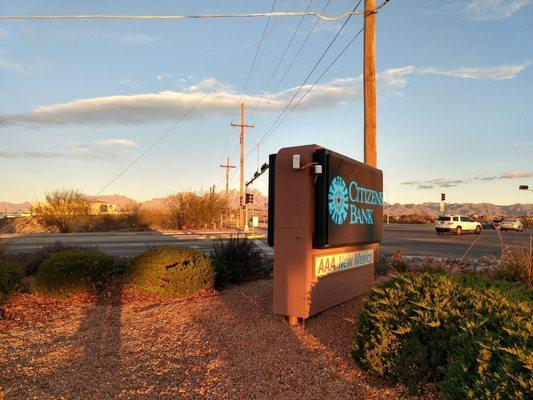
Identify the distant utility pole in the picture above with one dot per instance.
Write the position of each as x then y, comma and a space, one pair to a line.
369, 75
228, 167
257, 143
242, 223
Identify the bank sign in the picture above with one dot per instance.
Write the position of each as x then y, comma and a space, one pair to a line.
348, 202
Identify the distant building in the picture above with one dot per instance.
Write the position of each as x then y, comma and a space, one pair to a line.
100, 208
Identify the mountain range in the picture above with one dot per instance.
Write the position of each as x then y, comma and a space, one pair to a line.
261, 203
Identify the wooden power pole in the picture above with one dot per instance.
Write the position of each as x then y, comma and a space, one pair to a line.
369, 77
242, 194
228, 167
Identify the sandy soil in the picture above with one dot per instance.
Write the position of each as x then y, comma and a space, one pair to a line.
224, 346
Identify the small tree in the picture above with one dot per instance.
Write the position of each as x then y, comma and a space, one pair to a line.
63, 209
191, 210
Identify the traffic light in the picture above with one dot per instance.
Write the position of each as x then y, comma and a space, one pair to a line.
523, 187
264, 167
442, 196
249, 198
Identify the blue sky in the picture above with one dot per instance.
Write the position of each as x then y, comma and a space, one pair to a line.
81, 100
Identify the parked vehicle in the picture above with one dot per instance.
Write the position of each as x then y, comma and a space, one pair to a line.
511, 225
488, 225
456, 224
496, 222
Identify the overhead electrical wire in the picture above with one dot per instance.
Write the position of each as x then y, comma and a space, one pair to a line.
289, 67
280, 61
165, 134
309, 74
199, 16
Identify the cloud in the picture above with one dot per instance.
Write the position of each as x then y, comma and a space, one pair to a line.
78, 152
497, 73
491, 10
170, 105
161, 77
446, 183
9, 65
438, 182
129, 83
130, 38
515, 175
117, 142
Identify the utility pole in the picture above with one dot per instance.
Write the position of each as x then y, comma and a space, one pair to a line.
228, 167
242, 223
369, 75
257, 143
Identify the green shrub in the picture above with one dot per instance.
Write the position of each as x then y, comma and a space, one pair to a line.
10, 277
471, 336
71, 271
237, 260
32, 260
171, 271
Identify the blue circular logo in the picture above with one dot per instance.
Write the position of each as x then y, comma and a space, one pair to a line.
338, 200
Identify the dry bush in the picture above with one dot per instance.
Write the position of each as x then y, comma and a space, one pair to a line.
410, 219
63, 210
516, 264
192, 210
398, 262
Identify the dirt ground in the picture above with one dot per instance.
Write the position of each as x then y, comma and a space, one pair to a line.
124, 344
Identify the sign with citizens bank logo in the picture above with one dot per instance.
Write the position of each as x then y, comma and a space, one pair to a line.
349, 202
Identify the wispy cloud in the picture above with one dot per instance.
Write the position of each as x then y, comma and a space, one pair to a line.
497, 73
77, 152
432, 183
130, 38
117, 142
168, 105
129, 83
8, 64
491, 10
163, 76
516, 174
447, 183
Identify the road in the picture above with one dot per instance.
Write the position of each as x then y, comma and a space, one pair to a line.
414, 240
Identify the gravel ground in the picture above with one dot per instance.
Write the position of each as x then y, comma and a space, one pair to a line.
124, 344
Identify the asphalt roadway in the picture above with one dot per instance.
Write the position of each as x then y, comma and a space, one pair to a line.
414, 240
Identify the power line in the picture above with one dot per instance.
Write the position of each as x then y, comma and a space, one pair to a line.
178, 17
280, 60
291, 64
287, 70
315, 82
165, 134
311, 72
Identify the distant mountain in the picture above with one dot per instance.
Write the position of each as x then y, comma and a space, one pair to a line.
14, 207
461, 208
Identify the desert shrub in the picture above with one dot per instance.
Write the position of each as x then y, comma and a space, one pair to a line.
399, 263
171, 271
470, 336
32, 260
192, 210
63, 210
10, 278
237, 260
515, 264
71, 271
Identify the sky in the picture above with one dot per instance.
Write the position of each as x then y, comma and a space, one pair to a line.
81, 100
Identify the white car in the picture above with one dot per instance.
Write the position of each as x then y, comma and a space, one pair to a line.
456, 224
511, 225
